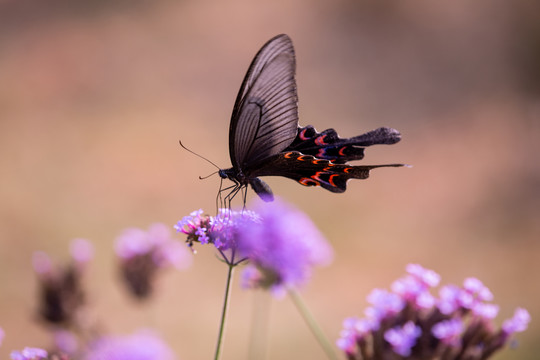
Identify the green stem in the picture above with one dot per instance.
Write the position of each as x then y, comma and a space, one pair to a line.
224, 311
312, 324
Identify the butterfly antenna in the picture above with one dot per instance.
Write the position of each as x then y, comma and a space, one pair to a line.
202, 157
207, 176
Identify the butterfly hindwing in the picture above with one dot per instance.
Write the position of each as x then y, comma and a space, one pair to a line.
265, 115
328, 145
311, 171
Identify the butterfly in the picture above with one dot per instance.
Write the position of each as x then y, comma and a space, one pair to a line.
266, 140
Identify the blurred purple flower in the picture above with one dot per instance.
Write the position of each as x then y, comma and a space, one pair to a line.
448, 301
403, 338
416, 285
2, 335
157, 242
477, 289
82, 251
457, 324
427, 277
60, 287
282, 248
384, 304
485, 311
42, 264
66, 341
142, 253
354, 332
29, 353
449, 331
518, 322
142, 345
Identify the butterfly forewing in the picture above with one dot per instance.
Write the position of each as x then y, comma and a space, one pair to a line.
265, 115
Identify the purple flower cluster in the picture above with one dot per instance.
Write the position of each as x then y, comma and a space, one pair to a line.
280, 242
61, 292
142, 253
220, 230
29, 353
411, 322
142, 345
155, 243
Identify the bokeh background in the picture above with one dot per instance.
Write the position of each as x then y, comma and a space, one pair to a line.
94, 96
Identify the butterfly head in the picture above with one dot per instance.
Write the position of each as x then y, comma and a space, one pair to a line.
233, 175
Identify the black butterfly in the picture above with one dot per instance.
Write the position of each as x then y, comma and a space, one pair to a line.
266, 140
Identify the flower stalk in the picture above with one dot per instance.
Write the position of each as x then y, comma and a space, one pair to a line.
312, 324
226, 299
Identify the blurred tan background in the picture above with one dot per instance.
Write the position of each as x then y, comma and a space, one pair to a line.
94, 96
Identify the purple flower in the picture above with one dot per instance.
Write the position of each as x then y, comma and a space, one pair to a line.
66, 341
477, 289
82, 251
354, 329
459, 323
224, 228
142, 253
156, 241
384, 303
403, 338
427, 277
190, 223
485, 311
282, 247
132, 242
142, 345
449, 331
448, 301
347, 340
220, 230
415, 287
518, 322
2, 335
29, 353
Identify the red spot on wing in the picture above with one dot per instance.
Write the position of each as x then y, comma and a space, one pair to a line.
308, 182
331, 179
320, 140
317, 176
302, 135
288, 155
341, 151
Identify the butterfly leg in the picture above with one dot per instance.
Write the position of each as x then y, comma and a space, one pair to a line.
230, 196
220, 200
244, 197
